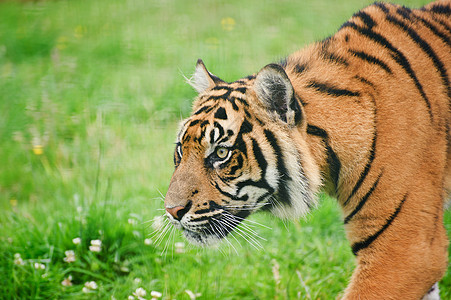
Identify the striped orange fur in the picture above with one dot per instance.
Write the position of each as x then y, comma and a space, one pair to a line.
364, 115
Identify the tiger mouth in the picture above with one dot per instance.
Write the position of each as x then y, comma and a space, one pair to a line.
214, 230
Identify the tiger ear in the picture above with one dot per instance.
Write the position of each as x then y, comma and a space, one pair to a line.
202, 79
274, 90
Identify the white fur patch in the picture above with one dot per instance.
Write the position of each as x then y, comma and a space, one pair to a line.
433, 294
201, 79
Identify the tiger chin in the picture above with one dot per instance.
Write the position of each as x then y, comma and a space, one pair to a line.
364, 115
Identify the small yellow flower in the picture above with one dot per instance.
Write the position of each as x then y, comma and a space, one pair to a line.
228, 24
13, 202
212, 43
61, 43
79, 31
38, 149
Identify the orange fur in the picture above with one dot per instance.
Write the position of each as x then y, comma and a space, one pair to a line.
372, 125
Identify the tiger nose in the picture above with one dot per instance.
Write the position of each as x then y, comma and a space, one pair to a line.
178, 211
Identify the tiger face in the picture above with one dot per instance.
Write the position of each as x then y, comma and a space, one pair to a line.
233, 155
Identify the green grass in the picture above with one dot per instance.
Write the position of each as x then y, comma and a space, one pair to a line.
99, 86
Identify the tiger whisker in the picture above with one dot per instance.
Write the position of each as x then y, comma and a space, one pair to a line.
162, 234
171, 234
161, 194
252, 221
225, 237
246, 236
249, 233
247, 226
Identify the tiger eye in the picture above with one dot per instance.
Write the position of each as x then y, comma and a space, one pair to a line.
222, 152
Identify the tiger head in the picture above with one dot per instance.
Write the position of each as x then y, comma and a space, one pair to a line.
242, 149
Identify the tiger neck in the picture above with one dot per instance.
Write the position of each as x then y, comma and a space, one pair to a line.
327, 98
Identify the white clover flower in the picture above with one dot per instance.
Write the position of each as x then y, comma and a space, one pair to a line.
70, 256
140, 293
39, 266
131, 297
96, 246
125, 269
18, 260
76, 241
137, 280
85, 290
96, 243
132, 221
148, 242
67, 281
156, 294
92, 285
179, 247
192, 295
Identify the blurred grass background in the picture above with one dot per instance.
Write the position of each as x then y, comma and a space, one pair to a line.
90, 96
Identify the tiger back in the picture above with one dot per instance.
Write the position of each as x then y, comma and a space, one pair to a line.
363, 115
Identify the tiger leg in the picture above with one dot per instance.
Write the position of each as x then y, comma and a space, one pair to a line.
404, 257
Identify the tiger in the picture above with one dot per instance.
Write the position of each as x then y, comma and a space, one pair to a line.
363, 115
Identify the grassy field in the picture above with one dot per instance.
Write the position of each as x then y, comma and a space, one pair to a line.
90, 96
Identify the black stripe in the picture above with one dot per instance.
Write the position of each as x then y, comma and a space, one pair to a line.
194, 122
441, 9
382, 7
221, 87
371, 59
246, 127
221, 113
397, 56
282, 189
202, 109
259, 157
435, 30
362, 201
367, 242
426, 49
369, 22
364, 80
238, 166
332, 159
404, 12
242, 90
221, 129
314, 130
331, 90
233, 197
334, 165
365, 171
300, 68
335, 58
444, 24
